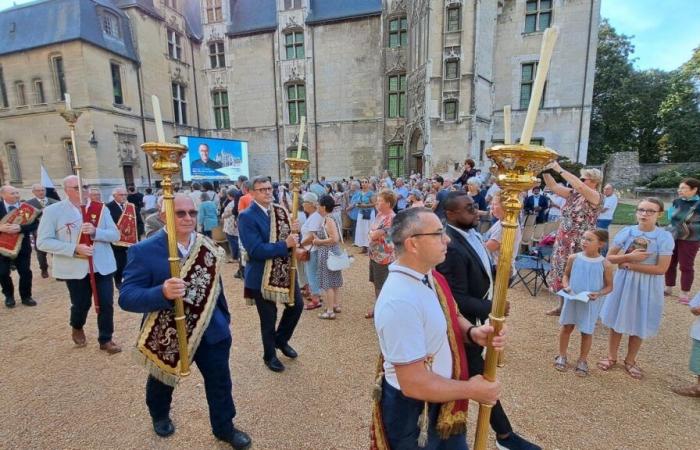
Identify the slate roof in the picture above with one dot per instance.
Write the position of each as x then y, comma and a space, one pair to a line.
48, 22
322, 11
250, 17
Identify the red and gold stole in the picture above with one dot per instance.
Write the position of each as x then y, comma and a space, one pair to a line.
127, 226
11, 243
452, 418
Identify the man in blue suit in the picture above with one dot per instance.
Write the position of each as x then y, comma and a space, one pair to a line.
537, 204
254, 233
148, 287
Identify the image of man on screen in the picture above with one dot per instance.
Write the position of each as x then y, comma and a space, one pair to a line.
204, 162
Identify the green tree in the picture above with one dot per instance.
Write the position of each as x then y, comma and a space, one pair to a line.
648, 88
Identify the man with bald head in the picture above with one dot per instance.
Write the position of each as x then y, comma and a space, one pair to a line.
41, 201
149, 288
59, 234
21, 260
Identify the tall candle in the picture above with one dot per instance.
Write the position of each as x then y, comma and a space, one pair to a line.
548, 41
301, 136
158, 119
507, 139
67, 97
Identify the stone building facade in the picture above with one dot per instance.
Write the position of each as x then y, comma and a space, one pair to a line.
398, 84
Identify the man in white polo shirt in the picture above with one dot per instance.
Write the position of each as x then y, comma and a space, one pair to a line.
419, 343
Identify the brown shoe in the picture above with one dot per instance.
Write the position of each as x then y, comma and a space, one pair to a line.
110, 347
688, 391
79, 337
44, 274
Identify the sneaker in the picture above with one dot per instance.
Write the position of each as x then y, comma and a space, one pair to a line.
684, 298
515, 442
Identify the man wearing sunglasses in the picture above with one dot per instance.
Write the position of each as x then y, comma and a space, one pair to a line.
149, 288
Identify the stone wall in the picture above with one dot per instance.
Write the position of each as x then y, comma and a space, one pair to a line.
624, 170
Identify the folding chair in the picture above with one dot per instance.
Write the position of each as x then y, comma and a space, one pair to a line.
531, 270
528, 232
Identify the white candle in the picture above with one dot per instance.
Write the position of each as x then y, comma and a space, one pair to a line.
548, 41
158, 119
506, 125
301, 136
67, 97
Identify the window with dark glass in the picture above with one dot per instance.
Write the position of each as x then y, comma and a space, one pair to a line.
70, 157
13, 162
217, 57
296, 102
3, 91
179, 104
294, 45
397, 96
538, 15
451, 69
450, 110
214, 12
527, 80
174, 47
59, 77
19, 91
38, 86
398, 32
220, 101
453, 19
117, 91
395, 160
110, 25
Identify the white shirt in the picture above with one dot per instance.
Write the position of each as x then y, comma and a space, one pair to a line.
311, 225
410, 324
609, 204
149, 202
185, 251
8, 205
555, 200
496, 233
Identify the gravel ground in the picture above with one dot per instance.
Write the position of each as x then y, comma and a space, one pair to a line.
55, 396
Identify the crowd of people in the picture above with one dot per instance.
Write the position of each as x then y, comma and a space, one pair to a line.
431, 238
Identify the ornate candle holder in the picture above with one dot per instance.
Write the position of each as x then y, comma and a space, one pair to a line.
297, 167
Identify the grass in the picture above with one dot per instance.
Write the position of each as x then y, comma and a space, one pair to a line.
626, 215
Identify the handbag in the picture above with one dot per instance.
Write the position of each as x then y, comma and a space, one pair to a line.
682, 231
338, 262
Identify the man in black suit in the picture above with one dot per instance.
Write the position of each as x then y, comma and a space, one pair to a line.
40, 201
136, 198
537, 204
470, 274
10, 202
116, 209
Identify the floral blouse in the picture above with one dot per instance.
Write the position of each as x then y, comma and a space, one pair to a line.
382, 251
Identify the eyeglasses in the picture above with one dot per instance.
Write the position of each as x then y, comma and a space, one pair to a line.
181, 214
583, 179
647, 211
441, 232
265, 189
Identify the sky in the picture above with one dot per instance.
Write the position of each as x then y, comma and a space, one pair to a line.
665, 32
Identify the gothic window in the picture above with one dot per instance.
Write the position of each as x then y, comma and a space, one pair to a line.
296, 103
220, 101
292, 4
214, 13
395, 159
179, 104
453, 18
117, 90
527, 80
294, 44
217, 57
174, 47
59, 77
110, 25
13, 162
450, 110
398, 32
19, 91
3, 91
538, 15
397, 96
38, 86
70, 157
451, 69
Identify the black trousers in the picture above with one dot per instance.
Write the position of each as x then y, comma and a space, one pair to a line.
213, 362
267, 311
120, 258
22, 263
81, 300
499, 420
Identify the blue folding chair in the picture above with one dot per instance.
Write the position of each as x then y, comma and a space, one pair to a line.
531, 269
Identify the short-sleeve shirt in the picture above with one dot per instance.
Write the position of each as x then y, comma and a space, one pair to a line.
382, 251
410, 324
610, 203
311, 225
658, 242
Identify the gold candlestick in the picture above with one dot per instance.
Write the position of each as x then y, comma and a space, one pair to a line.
516, 168
297, 167
166, 162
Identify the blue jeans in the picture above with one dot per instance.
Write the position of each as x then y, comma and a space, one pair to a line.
400, 415
312, 273
603, 224
233, 245
213, 362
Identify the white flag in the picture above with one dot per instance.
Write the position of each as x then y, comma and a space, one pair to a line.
45, 178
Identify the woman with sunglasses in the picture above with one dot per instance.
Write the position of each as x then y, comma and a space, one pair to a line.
635, 306
578, 215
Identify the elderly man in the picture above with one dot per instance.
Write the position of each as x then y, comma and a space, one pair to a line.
421, 337
10, 256
402, 192
148, 287
41, 201
609, 206
267, 278
59, 233
118, 207
94, 195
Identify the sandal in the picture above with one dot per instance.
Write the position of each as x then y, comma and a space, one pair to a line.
337, 310
581, 369
312, 305
370, 314
554, 312
633, 370
606, 363
328, 315
560, 363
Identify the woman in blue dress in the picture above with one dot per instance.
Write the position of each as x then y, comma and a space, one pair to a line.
635, 306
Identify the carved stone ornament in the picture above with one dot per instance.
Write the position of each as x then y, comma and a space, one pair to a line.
396, 61
420, 9
126, 148
454, 52
177, 76
291, 23
295, 74
450, 95
215, 36
452, 3
398, 135
218, 83
398, 6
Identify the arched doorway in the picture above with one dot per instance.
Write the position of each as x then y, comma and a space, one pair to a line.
415, 149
